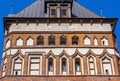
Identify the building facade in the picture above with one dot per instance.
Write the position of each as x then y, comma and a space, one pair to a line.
59, 40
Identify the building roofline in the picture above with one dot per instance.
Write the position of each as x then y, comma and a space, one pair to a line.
9, 20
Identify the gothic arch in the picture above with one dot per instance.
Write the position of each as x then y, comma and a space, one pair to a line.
50, 53
17, 63
91, 62
40, 40
78, 68
87, 40
64, 63
90, 52
75, 40
18, 53
63, 40
104, 41
107, 66
105, 52
77, 53
64, 53
51, 40
95, 40
29, 41
19, 41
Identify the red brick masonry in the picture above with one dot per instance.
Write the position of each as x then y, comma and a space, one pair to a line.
61, 78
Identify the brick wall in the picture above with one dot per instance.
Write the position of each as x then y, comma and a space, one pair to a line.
60, 78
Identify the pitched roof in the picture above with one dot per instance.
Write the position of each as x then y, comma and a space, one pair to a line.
36, 10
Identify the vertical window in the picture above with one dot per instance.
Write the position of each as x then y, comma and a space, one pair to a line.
87, 41
63, 40
91, 66
40, 40
107, 66
4, 67
19, 42
104, 42
8, 43
17, 70
34, 66
51, 40
95, 41
77, 64
50, 64
74, 40
63, 11
64, 64
30, 41
53, 12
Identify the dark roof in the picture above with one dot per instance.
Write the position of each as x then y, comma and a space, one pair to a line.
36, 10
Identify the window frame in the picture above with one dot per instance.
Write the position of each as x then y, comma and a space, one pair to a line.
77, 60
53, 12
51, 40
110, 63
49, 61
75, 40
89, 63
63, 40
64, 67
34, 63
40, 40
16, 70
63, 12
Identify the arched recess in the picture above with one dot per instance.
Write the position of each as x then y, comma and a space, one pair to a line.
30, 41
75, 40
95, 41
50, 63
107, 66
51, 40
91, 62
63, 40
40, 40
104, 41
78, 68
87, 40
64, 63
19, 42
8, 43
17, 64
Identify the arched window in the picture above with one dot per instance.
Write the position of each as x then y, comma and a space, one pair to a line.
64, 67
8, 43
87, 41
17, 68
30, 41
51, 40
95, 41
104, 41
40, 40
91, 65
4, 67
63, 40
77, 64
19, 42
107, 68
50, 64
74, 40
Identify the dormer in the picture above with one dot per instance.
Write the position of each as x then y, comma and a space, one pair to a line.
58, 8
